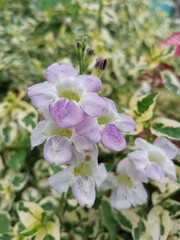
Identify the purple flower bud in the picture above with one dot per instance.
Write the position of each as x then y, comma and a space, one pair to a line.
90, 51
101, 63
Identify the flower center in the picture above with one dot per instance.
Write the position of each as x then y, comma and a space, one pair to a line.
70, 95
104, 119
124, 179
53, 130
156, 156
82, 169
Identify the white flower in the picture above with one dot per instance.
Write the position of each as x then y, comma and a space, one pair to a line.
84, 174
154, 160
127, 190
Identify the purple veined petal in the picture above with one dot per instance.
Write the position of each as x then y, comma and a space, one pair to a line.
42, 94
119, 198
168, 147
83, 190
92, 104
111, 104
155, 172
89, 129
173, 40
170, 170
81, 144
99, 174
57, 150
57, 71
109, 183
61, 180
139, 158
91, 83
143, 144
125, 123
112, 138
36, 136
138, 194
66, 114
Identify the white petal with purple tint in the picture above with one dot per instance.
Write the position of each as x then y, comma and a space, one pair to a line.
125, 123
168, 147
112, 138
66, 114
57, 71
42, 94
91, 83
83, 190
92, 104
57, 150
61, 180
155, 172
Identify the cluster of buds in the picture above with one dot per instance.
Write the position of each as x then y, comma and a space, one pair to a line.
75, 120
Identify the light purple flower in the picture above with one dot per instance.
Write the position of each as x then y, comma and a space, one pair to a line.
61, 142
127, 190
83, 175
69, 96
112, 124
155, 160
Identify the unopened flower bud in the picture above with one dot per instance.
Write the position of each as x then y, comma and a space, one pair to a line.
79, 44
90, 51
100, 66
101, 63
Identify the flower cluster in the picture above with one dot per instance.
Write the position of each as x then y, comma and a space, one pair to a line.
76, 119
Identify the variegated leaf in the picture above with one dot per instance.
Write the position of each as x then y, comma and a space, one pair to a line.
171, 82
164, 127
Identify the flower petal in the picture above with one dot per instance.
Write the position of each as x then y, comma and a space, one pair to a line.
177, 52
42, 94
92, 104
112, 138
168, 147
81, 143
55, 71
170, 170
155, 172
143, 144
119, 197
109, 183
66, 114
125, 123
61, 180
138, 194
139, 158
99, 174
57, 150
91, 83
89, 129
37, 137
83, 190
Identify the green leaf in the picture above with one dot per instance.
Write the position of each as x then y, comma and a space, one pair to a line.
166, 128
49, 237
144, 104
171, 82
16, 159
19, 180
5, 222
32, 229
108, 218
138, 230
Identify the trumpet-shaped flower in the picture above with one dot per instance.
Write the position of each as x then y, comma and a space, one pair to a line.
127, 190
83, 175
61, 141
69, 96
154, 160
111, 123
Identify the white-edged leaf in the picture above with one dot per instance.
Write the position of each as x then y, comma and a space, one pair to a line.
171, 82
